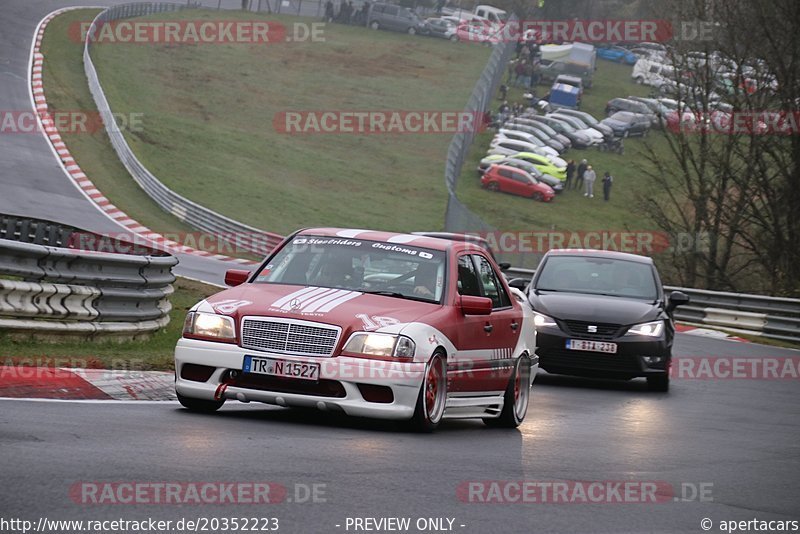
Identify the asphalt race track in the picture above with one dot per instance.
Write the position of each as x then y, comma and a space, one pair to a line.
723, 449
734, 441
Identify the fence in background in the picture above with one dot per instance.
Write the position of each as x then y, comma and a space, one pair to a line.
50, 287
182, 208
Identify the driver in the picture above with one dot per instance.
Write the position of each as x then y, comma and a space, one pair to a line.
425, 280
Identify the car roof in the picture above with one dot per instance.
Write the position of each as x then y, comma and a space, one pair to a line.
597, 253
378, 235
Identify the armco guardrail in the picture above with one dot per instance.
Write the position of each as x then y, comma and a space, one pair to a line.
52, 287
772, 317
190, 212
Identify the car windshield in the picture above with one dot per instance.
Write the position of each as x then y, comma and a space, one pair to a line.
561, 125
588, 119
597, 276
393, 269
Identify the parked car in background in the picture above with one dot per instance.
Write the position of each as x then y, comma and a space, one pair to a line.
507, 179
603, 314
496, 159
520, 135
544, 129
442, 28
625, 124
550, 141
577, 138
634, 106
617, 54
653, 73
589, 120
474, 31
511, 146
596, 136
395, 18
553, 166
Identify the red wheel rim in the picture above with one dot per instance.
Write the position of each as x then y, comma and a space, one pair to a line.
432, 389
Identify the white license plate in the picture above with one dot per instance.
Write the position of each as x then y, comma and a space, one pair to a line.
282, 368
592, 346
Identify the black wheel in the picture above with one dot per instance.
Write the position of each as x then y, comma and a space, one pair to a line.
454, 38
626, 134
412, 30
658, 382
200, 405
537, 197
640, 80
493, 187
602, 147
432, 396
621, 150
374, 25
516, 398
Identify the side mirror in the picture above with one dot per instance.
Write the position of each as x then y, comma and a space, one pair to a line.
676, 298
471, 305
236, 277
504, 266
519, 283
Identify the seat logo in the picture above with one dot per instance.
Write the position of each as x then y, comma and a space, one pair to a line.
591, 328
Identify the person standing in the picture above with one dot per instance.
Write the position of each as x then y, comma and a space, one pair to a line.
607, 181
570, 174
579, 174
589, 177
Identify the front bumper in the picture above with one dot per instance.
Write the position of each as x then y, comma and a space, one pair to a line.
341, 374
627, 362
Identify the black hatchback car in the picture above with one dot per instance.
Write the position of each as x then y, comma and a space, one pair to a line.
603, 314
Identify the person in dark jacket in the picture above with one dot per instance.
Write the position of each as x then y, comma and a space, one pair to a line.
579, 174
570, 174
607, 181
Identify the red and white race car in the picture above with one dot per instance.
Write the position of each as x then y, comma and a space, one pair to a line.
368, 323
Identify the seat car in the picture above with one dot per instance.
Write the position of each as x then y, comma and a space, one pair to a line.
634, 106
365, 323
603, 314
530, 168
508, 179
625, 124
395, 18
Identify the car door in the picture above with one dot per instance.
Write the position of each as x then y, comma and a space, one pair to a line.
505, 180
481, 360
521, 184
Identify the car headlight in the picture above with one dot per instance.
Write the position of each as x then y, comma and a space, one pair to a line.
375, 344
209, 325
540, 319
651, 329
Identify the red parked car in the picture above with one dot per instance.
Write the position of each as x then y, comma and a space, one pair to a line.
517, 182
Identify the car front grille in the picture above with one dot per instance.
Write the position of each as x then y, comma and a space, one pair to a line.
604, 331
554, 358
286, 336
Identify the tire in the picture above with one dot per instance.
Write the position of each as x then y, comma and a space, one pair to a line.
374, 25
432, 396
602, 147
658, 383
639, 80
537, 197
626, 134
454, 38
200, 405
412, 30
516, 398
644, 133
493, 187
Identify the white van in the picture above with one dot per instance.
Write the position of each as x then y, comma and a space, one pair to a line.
493, 14
652, 73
